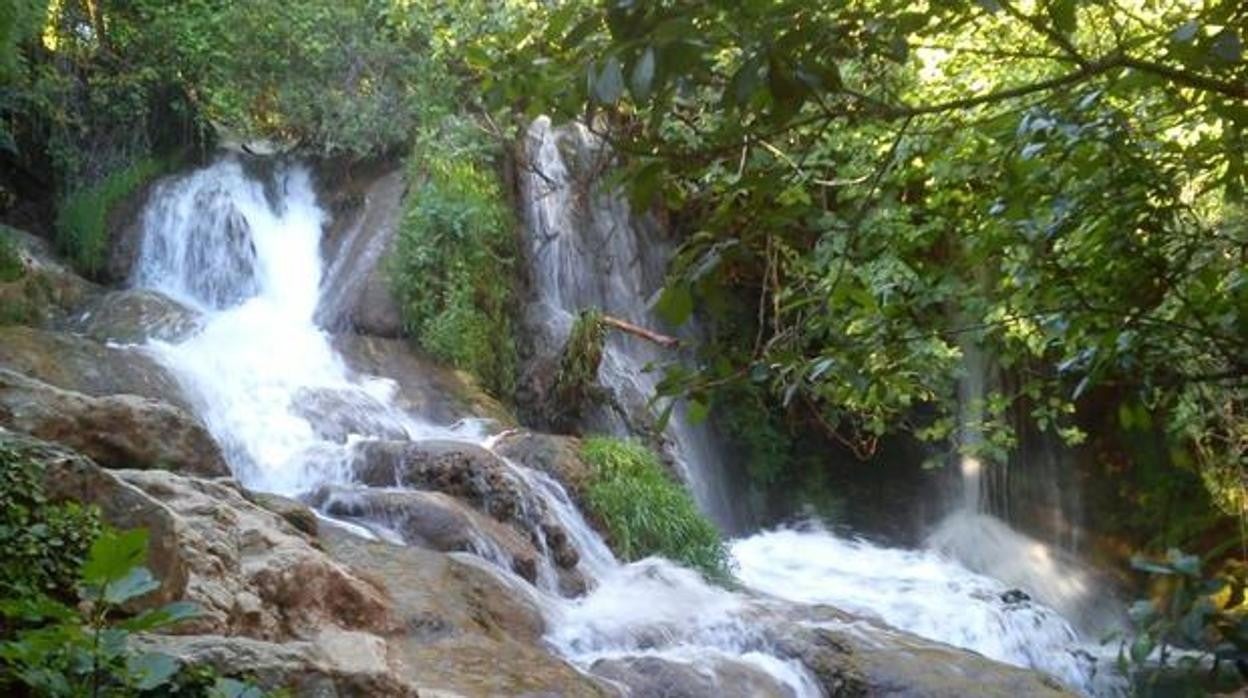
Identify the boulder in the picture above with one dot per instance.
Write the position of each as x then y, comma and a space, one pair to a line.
657, 677
471, 474
250, 572
117, 431
133, 316
336, 414
557, 456
82, 365
356, 294
465, 630
295, 513
436, 521
423, 387
858, 657
335, 664
46, 291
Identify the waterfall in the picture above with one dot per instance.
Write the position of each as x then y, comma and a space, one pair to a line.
243, 247
978, 531
586, 249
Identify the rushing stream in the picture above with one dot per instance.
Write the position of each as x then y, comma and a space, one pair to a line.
244, 250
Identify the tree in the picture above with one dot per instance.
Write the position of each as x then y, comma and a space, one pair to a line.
885, 183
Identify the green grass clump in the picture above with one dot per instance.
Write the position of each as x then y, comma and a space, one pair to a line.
452, 269
646, 512
82, 215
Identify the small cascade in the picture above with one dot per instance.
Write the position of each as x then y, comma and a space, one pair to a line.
978, 531
586, 249
245, 251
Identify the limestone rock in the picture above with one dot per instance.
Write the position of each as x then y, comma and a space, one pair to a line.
336, 414
424, 387
436, 521
656, 677
470, 473
117, 431
250, 571
295, 513
72, 362
337, 664
133, 316
557, 456
47, 291
466, 631
357, 294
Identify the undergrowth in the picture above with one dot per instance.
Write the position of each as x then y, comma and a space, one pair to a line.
646, 512
452, 270
82, 214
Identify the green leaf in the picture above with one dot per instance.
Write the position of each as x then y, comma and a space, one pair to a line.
609, 84
161, 617
676, 304
151, 669
642, 79
137, 582
1063, 15
113, 555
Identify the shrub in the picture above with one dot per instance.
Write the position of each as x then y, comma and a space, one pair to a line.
82, 215
646, 512
84, 649
453, 262
43, 544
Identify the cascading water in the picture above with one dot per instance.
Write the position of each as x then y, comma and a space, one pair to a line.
247, 255
587, 250
973, 533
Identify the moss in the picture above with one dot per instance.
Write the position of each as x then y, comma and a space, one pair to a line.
82, 215
452, 270
646, 512
11, 267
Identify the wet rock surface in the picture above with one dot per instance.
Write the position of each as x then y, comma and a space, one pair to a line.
250, 572
117, 431
338, 414
133, 316
469, 473
465, 631
424, 388
655, 677
83, 365
356, 294
436, 521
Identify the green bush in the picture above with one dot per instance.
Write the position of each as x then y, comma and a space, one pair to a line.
43, 544
53, 649
82, 215
646, 512
452, 269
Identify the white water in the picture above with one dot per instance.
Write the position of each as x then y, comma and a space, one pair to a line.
250, 262
587, 250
